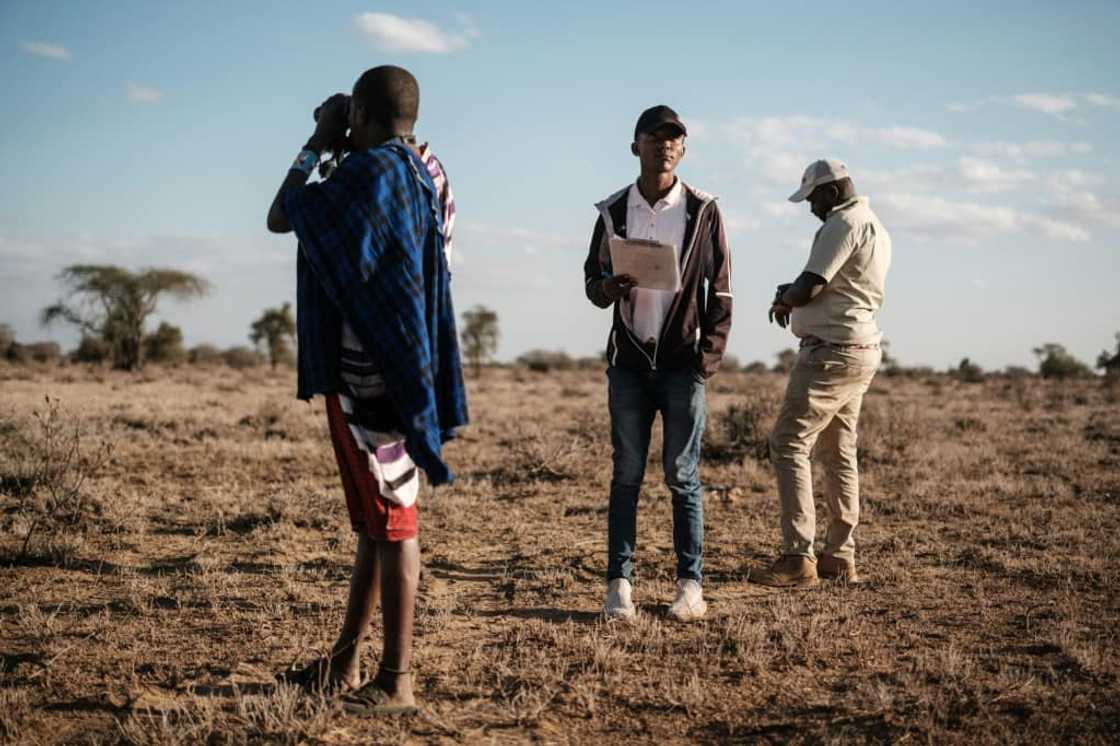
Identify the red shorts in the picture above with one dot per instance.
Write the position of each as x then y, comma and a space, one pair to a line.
370, 513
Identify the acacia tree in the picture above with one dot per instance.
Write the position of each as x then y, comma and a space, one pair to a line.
275, 329
113, 303
1054, 361
479, 335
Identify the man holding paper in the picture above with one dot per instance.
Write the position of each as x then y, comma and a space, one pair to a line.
659, 256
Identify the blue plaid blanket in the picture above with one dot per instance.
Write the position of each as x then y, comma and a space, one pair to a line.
371, 251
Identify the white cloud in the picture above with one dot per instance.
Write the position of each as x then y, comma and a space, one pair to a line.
738, 223
44, 49
396, 34
979, 175
141, 94
776, 146
1071, 198
1048, 103
1022, 151
785, 209
1103, 100
1073, 179
1057, 104
1057, 230
907, 138
935, 218
973, 175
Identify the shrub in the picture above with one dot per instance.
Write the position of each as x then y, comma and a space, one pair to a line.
1056, 362
743, 429
7, 339
542, 361
969, 372
36, 352
730, 364
91, 350
242, 357
47, 471
785, 360
204, 354
1109, 362
165, 345
756, 366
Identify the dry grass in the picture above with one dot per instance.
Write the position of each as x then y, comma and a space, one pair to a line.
216, 552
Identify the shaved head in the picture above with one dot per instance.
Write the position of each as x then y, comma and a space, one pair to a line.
391, 97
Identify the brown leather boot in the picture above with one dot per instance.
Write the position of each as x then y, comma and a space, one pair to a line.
790, 571
834, 568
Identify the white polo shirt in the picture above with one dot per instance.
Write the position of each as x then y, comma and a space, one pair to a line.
664, 222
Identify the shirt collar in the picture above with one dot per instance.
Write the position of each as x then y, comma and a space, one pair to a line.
846, 205
670, 200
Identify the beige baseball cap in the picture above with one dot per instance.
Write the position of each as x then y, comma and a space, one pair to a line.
819, 172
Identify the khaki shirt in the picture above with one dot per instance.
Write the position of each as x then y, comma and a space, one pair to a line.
852, 251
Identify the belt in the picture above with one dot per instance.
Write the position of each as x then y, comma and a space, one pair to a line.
812, 341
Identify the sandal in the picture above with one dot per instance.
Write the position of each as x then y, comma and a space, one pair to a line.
314, 678
371, 700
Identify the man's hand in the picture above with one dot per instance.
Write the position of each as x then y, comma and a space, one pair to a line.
780, 312
781, 291
331, 122
616, 286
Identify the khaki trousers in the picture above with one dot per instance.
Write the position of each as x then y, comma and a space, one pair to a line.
822, 402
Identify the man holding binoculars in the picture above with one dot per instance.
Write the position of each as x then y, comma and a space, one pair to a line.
377, 339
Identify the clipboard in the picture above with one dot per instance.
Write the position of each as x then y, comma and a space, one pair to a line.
652, 264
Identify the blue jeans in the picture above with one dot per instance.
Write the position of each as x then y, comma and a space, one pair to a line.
635, 399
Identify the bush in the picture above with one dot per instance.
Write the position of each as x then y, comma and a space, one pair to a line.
36, 352
1057, 363
7, 339
47, 470
730, 364
1109, 362
969, 372
1016, 372
91, 350
165, 345
756, 366
785, 360
204, 354
743, 429
242, 357
542, 361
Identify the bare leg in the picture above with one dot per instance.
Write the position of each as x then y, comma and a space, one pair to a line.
400, 575
365, 588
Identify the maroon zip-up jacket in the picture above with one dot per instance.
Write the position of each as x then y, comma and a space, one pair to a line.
695, 331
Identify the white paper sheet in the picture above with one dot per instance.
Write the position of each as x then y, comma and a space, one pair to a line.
652, 263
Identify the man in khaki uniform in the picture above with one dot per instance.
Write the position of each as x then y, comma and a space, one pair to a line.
832, 304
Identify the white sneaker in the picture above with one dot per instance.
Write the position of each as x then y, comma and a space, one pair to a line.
618, 604
689, 604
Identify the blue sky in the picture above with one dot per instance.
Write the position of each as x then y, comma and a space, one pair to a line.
155, 134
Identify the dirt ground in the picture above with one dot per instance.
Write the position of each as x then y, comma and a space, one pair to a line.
211, 551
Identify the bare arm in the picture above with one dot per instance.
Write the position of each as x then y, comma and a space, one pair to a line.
277, 220
806, 287
330, 127
793, 295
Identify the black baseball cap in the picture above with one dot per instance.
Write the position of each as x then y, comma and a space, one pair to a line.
654, 117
